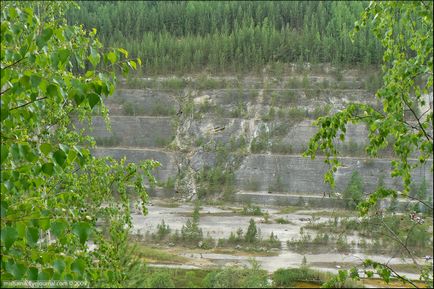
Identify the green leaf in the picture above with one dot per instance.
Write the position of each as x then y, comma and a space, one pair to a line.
8, 236
32, 235
48, 168
64, 148
82, 230
123, 51
45, 148
27, 152
94, 57
18, 270
64, 55
112, 57
21, 229
58, 228
4, 208
60, 157
45, 274
132, 64
4, 152
42, 39
93, 99
32, 274
35, 80
4, 113
78, 266
59, 265
52, 90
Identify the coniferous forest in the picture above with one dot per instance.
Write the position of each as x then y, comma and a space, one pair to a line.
235, 36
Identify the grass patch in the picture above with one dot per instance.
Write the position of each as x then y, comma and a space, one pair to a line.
250, 253
283, 221
394, 283
182, 278
153, 255
289, 277
288, 210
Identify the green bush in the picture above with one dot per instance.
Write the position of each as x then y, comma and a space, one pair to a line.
273, 241
234, 277
282, 221
252, 232
214, 180
160, 280
162, 230
287, 277
190, 232
251, 210
353, 194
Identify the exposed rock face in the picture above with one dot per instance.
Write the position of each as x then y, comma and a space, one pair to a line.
245, 138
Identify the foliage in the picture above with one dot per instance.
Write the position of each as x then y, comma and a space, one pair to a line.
133, 266
288, 277
252, 233
251, 210
353, 194
282, 221
215, 180
160, 280
405, 30
190, 231
162, 230
233, 277
53, 191
408, 77
234, 36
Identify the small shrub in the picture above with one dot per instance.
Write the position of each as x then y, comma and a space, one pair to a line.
250, 210
342, 245
252, 232
354, 192
273, 241
288, 277
162, 230
160, 280
191, 232
282, 221
234, 277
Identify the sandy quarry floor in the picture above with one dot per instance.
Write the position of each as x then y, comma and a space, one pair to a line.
220, 221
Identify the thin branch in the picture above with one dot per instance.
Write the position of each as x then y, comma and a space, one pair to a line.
6, 90
422, 202
30, 102
424, 112
400, 242
399, 276
428, 137
16, 62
